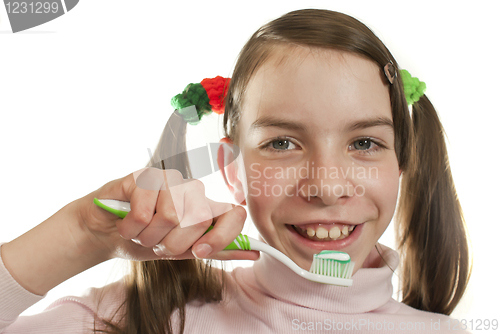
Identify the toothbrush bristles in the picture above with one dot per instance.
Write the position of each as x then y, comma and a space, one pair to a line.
331, 268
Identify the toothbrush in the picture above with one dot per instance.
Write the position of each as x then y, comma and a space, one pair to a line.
328, 267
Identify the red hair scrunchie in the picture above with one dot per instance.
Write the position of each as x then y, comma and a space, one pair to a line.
216, 89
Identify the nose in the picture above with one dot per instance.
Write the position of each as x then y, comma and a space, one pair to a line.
330, 178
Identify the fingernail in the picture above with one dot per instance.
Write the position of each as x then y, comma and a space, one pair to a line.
202, 251
136, 241
160, 250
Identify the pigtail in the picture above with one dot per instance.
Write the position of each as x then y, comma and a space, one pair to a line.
433, 238
156, 289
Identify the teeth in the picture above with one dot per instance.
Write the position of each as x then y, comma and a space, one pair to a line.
321, 233
334, 232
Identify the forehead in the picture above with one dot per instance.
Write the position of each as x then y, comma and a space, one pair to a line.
322, 88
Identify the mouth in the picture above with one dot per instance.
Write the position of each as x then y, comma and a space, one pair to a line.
321, 236
325, 232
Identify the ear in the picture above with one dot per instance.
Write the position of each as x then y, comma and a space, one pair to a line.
229, 169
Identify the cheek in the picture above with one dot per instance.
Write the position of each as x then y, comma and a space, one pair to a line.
382, 187
267, 192
265, 185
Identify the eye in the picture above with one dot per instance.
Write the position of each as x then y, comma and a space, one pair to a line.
366, 146
279, 144
363, 144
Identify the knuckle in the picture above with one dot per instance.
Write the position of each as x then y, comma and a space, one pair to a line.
242, 214
221, 208
203, 214
205, 222
127, 182
174, 177
141, 217
169, 217
196, 185
146, 182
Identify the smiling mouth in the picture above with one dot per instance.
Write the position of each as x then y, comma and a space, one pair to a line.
325, 232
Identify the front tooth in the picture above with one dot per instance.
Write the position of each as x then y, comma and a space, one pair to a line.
345, 230
321, 233
334, 232
310, 232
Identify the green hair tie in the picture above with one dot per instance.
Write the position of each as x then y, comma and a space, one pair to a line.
193, 95
413, 87
205, 97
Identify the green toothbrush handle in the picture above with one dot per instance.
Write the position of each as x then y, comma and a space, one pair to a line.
241, 242
118, 212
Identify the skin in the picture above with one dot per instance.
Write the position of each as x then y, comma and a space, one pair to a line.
324, 91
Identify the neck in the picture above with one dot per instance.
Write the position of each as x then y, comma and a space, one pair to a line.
372, 286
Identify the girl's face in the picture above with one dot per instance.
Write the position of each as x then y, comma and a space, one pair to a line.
318, 146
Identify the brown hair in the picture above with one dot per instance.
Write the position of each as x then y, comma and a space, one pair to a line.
432, 236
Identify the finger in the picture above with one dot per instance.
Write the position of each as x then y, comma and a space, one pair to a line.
224, 255
164, 220
142, 205
236, 255
179, 240
195, 221
177, 186
226, 228
219, 208
196, 205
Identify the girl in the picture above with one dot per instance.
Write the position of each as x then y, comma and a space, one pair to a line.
313, 91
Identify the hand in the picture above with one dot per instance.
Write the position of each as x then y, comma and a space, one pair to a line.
161, 202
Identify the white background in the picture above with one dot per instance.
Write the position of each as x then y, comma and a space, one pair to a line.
83, 97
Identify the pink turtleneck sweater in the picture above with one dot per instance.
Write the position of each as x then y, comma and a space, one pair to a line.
265, 298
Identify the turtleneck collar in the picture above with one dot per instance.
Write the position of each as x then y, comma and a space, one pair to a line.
371, 289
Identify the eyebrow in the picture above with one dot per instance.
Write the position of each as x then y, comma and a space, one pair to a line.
270, 121
368, 123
